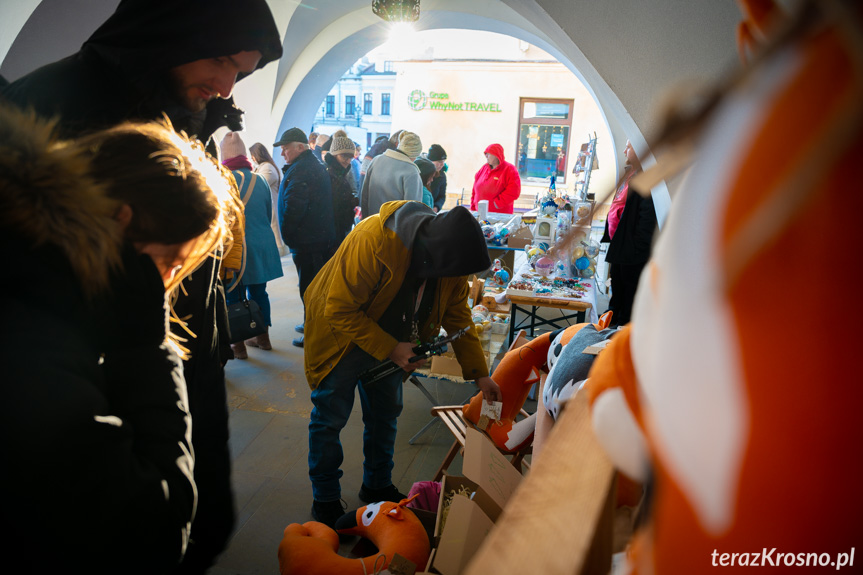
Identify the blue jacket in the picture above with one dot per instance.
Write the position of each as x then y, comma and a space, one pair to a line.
262, 256
306, 206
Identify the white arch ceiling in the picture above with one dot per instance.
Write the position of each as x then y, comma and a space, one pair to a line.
627, 52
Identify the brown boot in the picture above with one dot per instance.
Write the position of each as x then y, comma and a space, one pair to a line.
239, 350
262, 341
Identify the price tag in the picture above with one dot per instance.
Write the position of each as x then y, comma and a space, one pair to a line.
491, 410
400, 566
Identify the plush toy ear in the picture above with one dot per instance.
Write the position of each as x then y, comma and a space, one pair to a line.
404, 502
396, 513
604, 321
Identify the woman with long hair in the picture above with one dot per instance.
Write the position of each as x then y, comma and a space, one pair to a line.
97, 234
266, 167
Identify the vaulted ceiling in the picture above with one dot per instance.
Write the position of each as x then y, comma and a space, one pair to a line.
629, 53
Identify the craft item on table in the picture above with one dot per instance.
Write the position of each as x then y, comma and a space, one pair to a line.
534, 254
577, 252
501, 278
520, 288
517, 372
513, 223
499, 237
480, 309
584, 259
563, 225
560, 268
549, 207
584, 267
488, 231
496, 265
582, 210
482, 209
544, 266
591, 249
545, 229
312, 548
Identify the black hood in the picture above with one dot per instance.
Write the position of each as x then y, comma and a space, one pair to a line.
145, 38
450, 244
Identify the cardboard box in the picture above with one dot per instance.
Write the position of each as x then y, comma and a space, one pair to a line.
520, 238
492, 478
466, 528
445, 365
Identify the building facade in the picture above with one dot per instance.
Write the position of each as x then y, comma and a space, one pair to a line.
523, 100
360, 103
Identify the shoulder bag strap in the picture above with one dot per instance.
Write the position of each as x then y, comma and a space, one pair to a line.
245, 200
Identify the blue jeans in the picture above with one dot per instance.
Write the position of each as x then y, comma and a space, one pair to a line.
333, 400
255, 292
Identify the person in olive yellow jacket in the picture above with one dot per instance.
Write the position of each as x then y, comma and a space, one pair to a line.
396, 279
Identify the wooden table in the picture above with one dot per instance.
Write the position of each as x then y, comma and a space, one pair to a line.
530, 305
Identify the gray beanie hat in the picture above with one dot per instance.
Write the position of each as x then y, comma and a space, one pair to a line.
341, 145
410, 144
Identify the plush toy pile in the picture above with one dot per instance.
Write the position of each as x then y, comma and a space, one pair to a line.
312, 548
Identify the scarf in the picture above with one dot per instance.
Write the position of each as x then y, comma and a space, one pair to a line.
237, 163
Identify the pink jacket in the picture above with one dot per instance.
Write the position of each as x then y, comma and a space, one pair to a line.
501, 186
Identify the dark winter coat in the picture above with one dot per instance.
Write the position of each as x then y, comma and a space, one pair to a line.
94, 418
633, 238
120, 73
344, 198
306, 206
438, 190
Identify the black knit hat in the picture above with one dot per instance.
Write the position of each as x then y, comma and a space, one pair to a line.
426, 168
450, 244
292, 135
436, 153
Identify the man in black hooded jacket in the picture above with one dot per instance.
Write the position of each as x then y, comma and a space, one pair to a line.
180, 59
149, 58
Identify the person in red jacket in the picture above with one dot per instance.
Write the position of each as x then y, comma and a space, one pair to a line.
497, 181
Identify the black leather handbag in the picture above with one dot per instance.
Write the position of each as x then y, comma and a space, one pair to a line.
245, 320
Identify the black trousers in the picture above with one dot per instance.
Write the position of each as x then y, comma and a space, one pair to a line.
308, 264
624, 282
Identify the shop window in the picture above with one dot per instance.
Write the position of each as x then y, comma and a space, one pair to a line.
367, 104
543, 139
385, 104
331, 106
350, 106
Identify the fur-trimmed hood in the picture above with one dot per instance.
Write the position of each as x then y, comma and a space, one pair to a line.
48, 198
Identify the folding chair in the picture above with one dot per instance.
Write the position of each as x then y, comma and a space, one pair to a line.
452, 416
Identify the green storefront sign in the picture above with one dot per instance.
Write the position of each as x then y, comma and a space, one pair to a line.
419, 100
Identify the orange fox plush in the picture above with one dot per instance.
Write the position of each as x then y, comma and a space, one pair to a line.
516, 374
312, 548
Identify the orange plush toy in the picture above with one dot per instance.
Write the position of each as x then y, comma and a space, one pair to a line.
516, 374
312, 548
